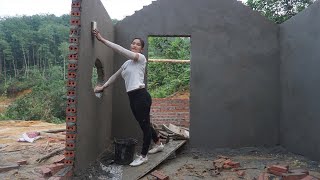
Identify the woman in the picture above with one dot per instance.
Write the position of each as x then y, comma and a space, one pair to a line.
133, 71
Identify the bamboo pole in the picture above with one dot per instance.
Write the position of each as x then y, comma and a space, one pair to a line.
169, 60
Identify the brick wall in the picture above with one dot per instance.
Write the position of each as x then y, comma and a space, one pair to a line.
170, 110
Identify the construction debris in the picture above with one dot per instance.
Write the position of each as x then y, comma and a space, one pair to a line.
160, 175
29, 137
22, 162
39, 160
171, 132
286, 174
225, 163
4, 168
179, 132
54, 131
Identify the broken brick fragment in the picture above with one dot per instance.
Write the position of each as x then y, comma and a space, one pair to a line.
55, 167
59, 159
150, 177
226, 166
221, 160
227, 161
22, 162
160, 175
46, 172
279, 168
274, 172
241, 173
293, 176
234, 164
310, 178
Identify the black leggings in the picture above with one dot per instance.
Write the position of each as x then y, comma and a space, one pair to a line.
140, 103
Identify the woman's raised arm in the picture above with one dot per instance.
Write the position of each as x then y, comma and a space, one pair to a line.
119, 49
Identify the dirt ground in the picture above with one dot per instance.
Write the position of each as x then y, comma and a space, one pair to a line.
188, 163
12, 151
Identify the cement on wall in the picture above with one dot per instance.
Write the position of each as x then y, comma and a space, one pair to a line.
235, 83
94, 114
300, 77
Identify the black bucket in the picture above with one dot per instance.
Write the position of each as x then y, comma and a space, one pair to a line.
124, 150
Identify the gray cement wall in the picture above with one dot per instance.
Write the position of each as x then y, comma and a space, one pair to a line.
94, 115
300, 77
235, 83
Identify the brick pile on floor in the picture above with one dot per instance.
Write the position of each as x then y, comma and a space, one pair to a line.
225, 163
57, 170
283, 172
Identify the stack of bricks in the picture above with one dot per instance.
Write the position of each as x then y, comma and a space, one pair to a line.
286, 174
71, 110
170, 111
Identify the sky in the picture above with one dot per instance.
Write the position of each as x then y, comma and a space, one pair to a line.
117, 9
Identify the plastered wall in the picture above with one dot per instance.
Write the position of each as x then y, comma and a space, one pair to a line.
235, 85
300, 77
94, 115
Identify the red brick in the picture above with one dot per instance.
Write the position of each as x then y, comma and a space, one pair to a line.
69, 154
46, 172
264, 176
220, 160
283, 169
293, 176
310, 178
274, 172
59, 159
68, 162
241, 173
55, 167
226, 166
226, 162
22, 162
234, 164
160, 175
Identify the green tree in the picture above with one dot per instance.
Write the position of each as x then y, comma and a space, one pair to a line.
165, 79
169, 47
64, 51
279, 11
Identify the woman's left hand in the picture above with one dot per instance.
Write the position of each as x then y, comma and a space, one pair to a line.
98, 89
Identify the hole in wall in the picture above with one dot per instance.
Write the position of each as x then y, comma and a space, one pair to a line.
97, 76
168, 79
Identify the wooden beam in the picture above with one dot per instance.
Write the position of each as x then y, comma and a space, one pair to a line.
169, 60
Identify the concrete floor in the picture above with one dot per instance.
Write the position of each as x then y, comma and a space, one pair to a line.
194, 164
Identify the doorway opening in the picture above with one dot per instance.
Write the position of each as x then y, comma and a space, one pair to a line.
168, 79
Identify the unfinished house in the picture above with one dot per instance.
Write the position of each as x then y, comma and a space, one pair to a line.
253, 82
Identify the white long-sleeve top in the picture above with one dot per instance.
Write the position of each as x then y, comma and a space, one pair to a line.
132, 71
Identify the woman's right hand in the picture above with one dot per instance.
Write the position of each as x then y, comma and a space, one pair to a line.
98, 89
97, 34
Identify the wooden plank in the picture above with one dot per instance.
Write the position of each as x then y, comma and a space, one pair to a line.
4, 168
134, 173
177, 130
